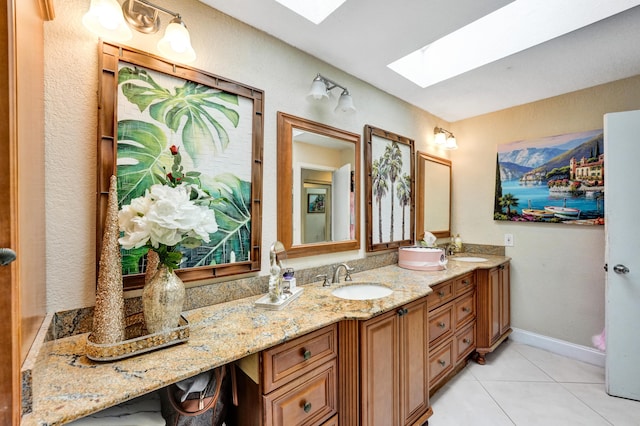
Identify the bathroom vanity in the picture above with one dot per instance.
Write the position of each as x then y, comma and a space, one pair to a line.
367, 358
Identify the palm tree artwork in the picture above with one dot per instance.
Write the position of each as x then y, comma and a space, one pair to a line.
390, 189
393, 165
212, 128
508, 201
404, 197
380, 187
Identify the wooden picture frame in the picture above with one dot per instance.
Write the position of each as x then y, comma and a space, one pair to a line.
140, 118
389, 188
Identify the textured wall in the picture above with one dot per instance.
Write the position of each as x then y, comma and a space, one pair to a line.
225, 47
558, 282
557, 278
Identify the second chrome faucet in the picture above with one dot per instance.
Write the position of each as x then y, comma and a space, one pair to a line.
335, 278
336, 273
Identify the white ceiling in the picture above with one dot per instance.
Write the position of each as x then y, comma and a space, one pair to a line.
363, 36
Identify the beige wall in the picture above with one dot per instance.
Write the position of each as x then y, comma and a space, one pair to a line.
224, 47
558, 280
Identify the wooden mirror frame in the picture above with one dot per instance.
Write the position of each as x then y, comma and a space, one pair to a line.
110, 57
286, 124
422, 160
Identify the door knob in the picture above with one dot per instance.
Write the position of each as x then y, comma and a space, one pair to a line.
620, 269
7, 256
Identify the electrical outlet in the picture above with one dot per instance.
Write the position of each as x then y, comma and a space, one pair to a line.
508, 240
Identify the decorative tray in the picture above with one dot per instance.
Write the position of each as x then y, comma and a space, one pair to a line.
265, 301
138, 341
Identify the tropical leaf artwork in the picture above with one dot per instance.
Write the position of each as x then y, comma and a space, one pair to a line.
212, 129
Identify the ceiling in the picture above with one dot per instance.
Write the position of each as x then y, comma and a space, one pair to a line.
363, 36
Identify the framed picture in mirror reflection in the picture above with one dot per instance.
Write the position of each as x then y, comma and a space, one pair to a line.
315, 203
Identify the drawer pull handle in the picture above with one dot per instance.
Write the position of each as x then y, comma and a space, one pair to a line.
306, 407
466, 341
442, 325
306, 354
466, 309
465, 282
442, 363
441, 293
402, 311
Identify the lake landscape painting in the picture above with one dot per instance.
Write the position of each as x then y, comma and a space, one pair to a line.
555, 179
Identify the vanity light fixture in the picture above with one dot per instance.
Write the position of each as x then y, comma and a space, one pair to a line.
320, 88
445, 138
108, 19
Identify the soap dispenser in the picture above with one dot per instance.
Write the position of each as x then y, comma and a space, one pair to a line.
458, 243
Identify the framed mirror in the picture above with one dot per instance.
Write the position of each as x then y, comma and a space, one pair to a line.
318, 187
433, 204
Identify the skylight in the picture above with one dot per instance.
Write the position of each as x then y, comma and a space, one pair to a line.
314, 10
515, 27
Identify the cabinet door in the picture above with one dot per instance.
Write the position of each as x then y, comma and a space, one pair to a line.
495, 304
380, 371
414, 363
505, 299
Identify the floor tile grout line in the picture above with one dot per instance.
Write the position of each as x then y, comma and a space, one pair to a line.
497, 403
515, 348
585, 402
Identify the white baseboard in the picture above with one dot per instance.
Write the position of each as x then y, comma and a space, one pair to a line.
560, 347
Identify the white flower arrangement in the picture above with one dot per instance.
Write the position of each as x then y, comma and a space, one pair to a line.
175, 213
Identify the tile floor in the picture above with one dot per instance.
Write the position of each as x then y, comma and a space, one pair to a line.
526, 386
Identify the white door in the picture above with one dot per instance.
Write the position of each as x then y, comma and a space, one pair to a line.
341, 203
622, 253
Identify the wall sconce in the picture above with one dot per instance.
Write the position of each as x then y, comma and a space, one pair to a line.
320, 88
108, 19
445, 138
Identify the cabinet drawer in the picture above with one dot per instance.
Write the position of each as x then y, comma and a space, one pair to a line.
441, 294
440, 363
440, 324
308, 400
465, 341
465, 309
289, 360
465, 283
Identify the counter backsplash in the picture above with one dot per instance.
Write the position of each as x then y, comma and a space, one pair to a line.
78, 321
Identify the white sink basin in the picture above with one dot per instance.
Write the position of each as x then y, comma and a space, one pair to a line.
363, 291
469, 259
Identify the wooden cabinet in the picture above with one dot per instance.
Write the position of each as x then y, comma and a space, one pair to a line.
394, 367
294, 383
494, 309
452, 327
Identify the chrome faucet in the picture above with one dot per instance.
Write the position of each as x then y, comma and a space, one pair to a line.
336, 273
451, 249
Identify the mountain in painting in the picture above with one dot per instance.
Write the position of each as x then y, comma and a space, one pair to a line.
530, 157
589, 149
510, 171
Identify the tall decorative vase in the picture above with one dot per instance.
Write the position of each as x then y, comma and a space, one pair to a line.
162, 300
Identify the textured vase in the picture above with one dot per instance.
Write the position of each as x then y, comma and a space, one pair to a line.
162, 300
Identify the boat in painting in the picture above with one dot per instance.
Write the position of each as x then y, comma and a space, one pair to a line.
537, 213
563, 212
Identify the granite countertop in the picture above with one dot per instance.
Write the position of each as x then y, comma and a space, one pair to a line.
67, 385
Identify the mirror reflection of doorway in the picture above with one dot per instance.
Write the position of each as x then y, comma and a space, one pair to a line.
316, 217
